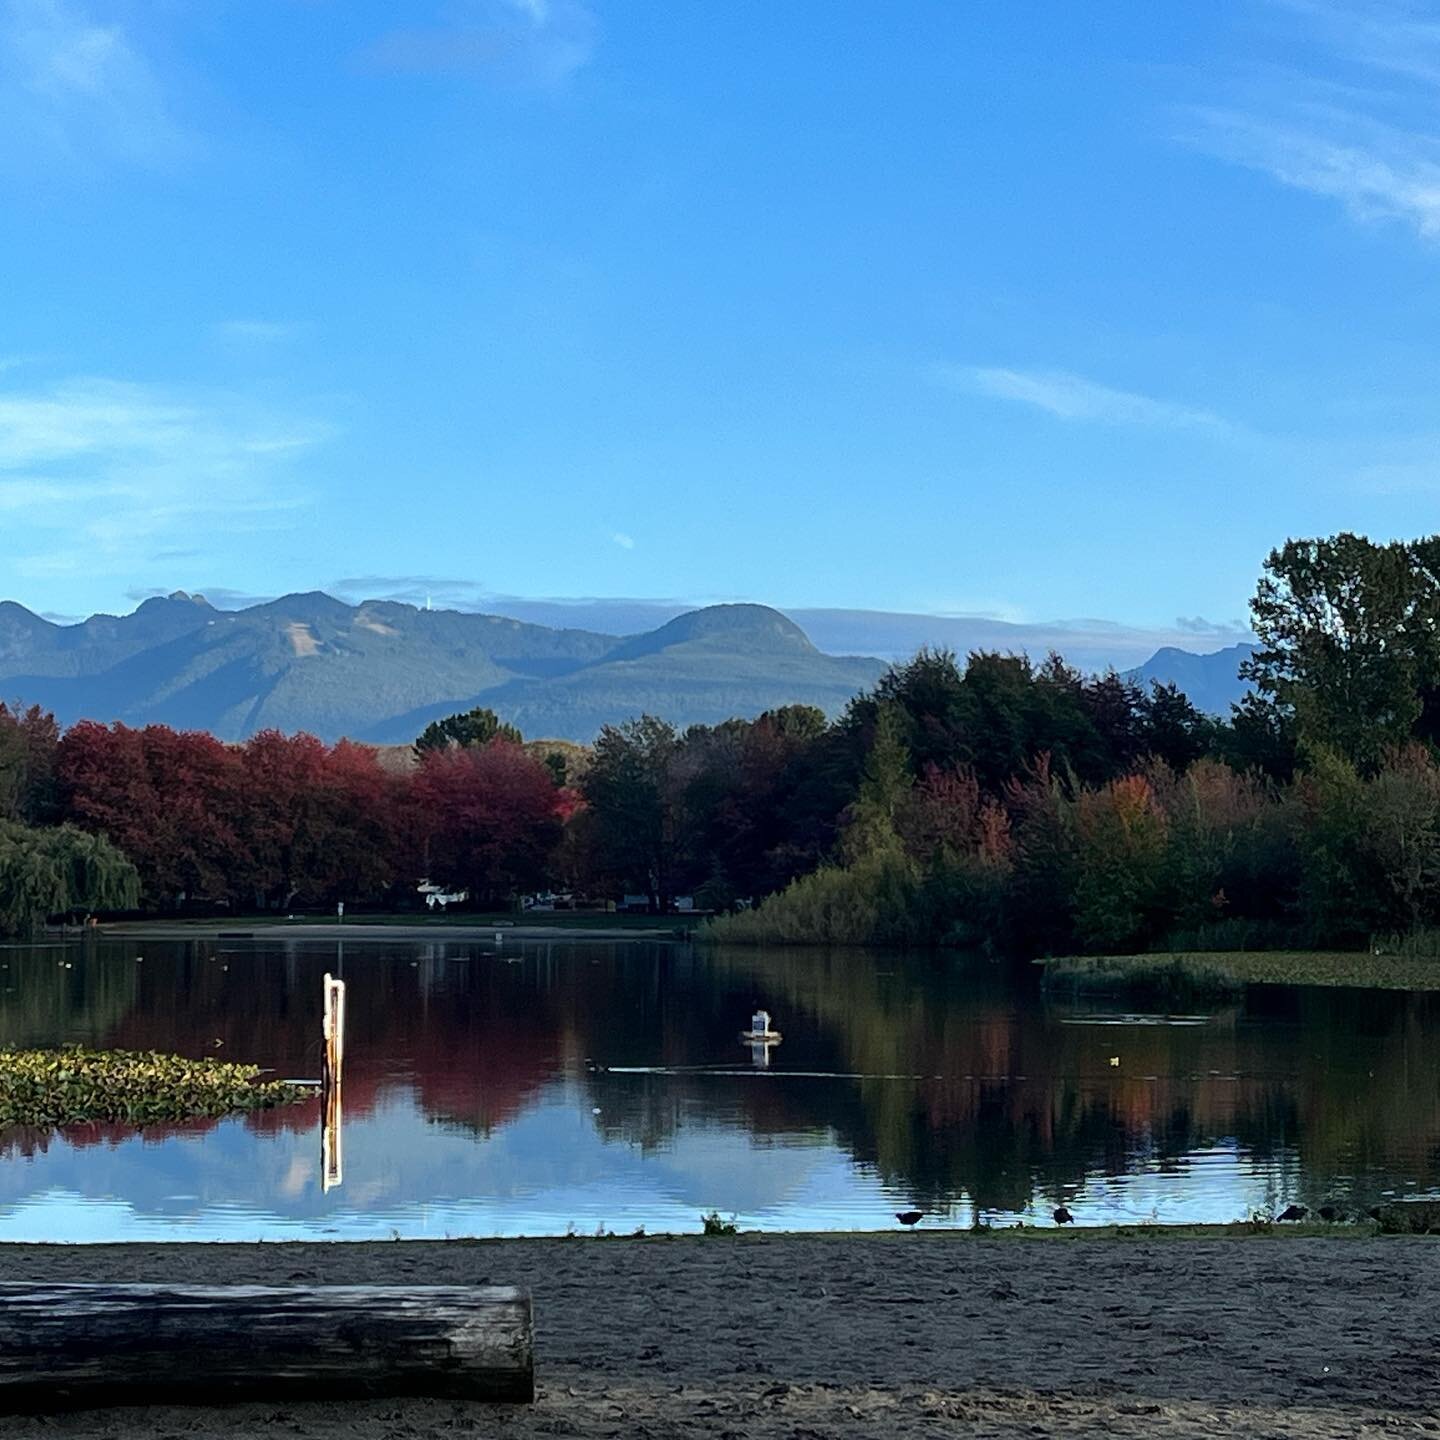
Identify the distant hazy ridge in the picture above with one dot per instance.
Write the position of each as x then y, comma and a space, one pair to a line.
381, 670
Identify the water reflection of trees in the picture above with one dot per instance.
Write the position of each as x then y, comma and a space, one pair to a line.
1346, 1079
966, 1080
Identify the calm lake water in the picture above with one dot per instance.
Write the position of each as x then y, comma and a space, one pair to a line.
542, 1087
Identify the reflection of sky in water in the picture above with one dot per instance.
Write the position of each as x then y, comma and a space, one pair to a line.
476, 1110
546, 1172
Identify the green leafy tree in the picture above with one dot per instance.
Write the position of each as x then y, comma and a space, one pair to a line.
885, 785
1119, 888
1259, 737
475, 727
1401, 835
1347, 632
1337, 904
631, 789
29, 739
1172, 729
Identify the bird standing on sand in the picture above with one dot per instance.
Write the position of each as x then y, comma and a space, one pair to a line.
1293, 1212
1063, 1217
909, 1217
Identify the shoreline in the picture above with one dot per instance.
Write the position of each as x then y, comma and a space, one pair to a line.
905, 1335
1235, 969
375, 932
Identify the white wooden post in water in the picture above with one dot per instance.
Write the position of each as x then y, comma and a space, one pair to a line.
332, 1170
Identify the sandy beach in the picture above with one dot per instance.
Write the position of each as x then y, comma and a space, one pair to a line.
902, 1335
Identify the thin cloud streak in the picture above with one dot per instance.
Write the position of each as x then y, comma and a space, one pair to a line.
80, 93
1072, 397
1382, 174
537, 43
1360, 127
110, 466
256, 333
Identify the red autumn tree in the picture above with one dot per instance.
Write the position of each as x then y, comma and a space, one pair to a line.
491, 818
280, 819
167, 798
355, 833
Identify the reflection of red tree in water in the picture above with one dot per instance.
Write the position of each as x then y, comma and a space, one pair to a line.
476, 1054
1007, 1087
483, 1081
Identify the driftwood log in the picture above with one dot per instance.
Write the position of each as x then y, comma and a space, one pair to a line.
68, 1347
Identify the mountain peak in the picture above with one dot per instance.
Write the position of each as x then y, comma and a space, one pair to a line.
756, 629
1211, 681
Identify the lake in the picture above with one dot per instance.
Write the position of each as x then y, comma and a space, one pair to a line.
535, 1088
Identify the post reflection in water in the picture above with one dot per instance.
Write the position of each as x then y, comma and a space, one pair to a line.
586, 1084
332, 1115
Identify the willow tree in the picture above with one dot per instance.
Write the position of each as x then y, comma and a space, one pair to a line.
59, 869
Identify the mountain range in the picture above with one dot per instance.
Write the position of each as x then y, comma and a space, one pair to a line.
1212, 682
381, 670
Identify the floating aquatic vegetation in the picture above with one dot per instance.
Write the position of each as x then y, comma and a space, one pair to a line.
72, 1086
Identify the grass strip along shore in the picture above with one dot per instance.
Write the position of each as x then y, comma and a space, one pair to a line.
41, 1089
1196, 973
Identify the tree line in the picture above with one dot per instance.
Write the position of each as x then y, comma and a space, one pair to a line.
992, 802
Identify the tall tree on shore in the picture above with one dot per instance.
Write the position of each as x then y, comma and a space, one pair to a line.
491, 819
171, 801
631, 788
1348, 640
29, 739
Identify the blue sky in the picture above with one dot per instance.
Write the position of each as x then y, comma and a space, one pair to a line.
1036, 311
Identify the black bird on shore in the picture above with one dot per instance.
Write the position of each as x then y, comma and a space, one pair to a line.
1063, 1217
909, 1217
1293, 1212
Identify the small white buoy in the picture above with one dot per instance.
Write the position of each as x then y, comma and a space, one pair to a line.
760, 1032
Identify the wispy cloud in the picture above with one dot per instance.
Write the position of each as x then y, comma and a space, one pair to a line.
624, 541
1072, 397
1228, 631
92, 470
256, 334
1378, 172
1354, 115
444, 591
525, 42
81, 92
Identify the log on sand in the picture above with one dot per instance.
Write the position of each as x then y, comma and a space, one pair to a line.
81, 1346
